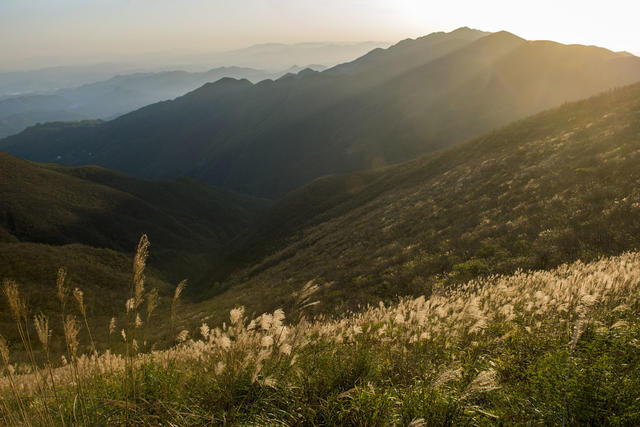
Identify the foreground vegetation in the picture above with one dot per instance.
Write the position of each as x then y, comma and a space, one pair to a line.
549, 347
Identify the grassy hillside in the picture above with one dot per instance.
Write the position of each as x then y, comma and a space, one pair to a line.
390, 106
104, 276
57, 205
558, 186
551, 347
88, 220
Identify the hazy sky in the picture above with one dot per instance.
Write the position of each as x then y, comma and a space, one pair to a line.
88, 30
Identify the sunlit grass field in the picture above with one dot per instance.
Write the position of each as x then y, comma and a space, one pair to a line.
545, 347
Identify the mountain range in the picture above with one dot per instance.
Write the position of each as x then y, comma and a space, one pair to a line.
389, 106
27, 77
113, 97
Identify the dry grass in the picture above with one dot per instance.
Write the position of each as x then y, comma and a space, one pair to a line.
459, 348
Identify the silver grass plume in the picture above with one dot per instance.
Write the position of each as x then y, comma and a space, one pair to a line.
139, 264
42, 328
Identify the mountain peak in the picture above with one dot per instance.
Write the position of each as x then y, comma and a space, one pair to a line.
499, 38
468, 31
306, 72
221, 86
504, 35
226, 82
410, 52
624, 53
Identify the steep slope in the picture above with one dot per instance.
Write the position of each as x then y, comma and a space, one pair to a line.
187, 222
558, 186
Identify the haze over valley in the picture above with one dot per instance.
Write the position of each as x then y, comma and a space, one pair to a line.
107, 90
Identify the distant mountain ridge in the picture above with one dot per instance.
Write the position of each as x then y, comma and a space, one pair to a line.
113, 97
29, 77
408, 53
389, 106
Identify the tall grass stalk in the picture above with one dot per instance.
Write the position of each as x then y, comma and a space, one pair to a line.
4, 354
71, 330
174, 303
44, 335
79, 297
18, 310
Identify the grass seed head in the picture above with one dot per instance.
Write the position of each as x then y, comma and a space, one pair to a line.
179, 289
16, 305
4, 350
42, 329
71, 331
62, 290
139, 264
152, 302
78, 295
236, 314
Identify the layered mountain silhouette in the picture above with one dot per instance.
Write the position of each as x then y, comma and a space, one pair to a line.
392, 105
24, 77
559, 186
111, 98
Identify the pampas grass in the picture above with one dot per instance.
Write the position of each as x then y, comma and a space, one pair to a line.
449, 358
